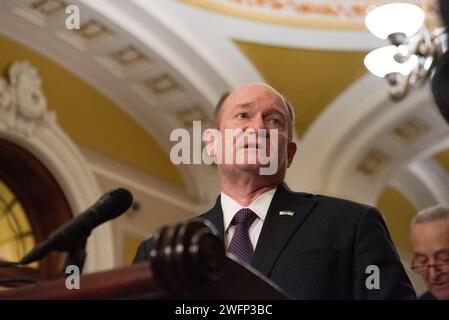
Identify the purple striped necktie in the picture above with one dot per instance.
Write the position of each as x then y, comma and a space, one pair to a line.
240, 244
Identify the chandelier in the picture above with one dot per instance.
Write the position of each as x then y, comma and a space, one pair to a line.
414, 49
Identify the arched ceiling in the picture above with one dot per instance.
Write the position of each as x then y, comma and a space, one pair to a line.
302, 74
90, 118
152, 66
330, 14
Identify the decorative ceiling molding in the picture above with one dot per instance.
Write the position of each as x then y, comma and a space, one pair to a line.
343, 14
213, 43
125, 61
406, 133
367, 141
26, 122
413, 188
159, 89
424, 183
119, 50
410, 130
184, 118
23, 105
48, 8
91, 33
40, 12
373, 162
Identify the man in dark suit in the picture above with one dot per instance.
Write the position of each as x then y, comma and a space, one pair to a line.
312, 246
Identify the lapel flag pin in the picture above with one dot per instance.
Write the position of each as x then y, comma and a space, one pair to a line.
287, 213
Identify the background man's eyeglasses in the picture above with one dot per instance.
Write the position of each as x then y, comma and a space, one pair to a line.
420, 263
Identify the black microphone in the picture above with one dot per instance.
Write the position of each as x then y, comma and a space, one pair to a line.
69, 236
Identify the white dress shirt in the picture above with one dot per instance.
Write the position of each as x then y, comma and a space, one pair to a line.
259, 206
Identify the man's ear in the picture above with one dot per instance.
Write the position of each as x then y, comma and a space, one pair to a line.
291, 151
210, 141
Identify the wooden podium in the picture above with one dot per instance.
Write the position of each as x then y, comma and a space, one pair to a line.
187, 261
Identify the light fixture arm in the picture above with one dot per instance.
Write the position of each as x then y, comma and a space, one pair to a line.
415, 48
399, 85
428, 45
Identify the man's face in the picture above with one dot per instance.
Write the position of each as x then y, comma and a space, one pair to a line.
430, 243
249, 109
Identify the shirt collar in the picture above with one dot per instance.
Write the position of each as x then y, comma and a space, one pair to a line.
259, 206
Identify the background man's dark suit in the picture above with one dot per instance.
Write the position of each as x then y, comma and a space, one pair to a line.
322, 251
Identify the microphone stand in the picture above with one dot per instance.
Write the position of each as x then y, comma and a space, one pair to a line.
76, 256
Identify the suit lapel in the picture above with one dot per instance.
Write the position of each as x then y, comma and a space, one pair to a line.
277, 230
215, 215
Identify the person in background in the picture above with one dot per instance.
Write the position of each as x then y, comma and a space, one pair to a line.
430, 242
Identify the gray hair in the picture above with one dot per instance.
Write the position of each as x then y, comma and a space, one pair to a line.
435, 213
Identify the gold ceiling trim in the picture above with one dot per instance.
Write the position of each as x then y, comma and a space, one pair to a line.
298, 21
331, 14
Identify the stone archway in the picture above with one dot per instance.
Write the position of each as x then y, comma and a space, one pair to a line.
29, 130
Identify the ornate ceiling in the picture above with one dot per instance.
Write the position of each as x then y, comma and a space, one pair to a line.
345, 14
137, 69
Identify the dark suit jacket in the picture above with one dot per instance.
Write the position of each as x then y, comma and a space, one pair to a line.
323, 250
